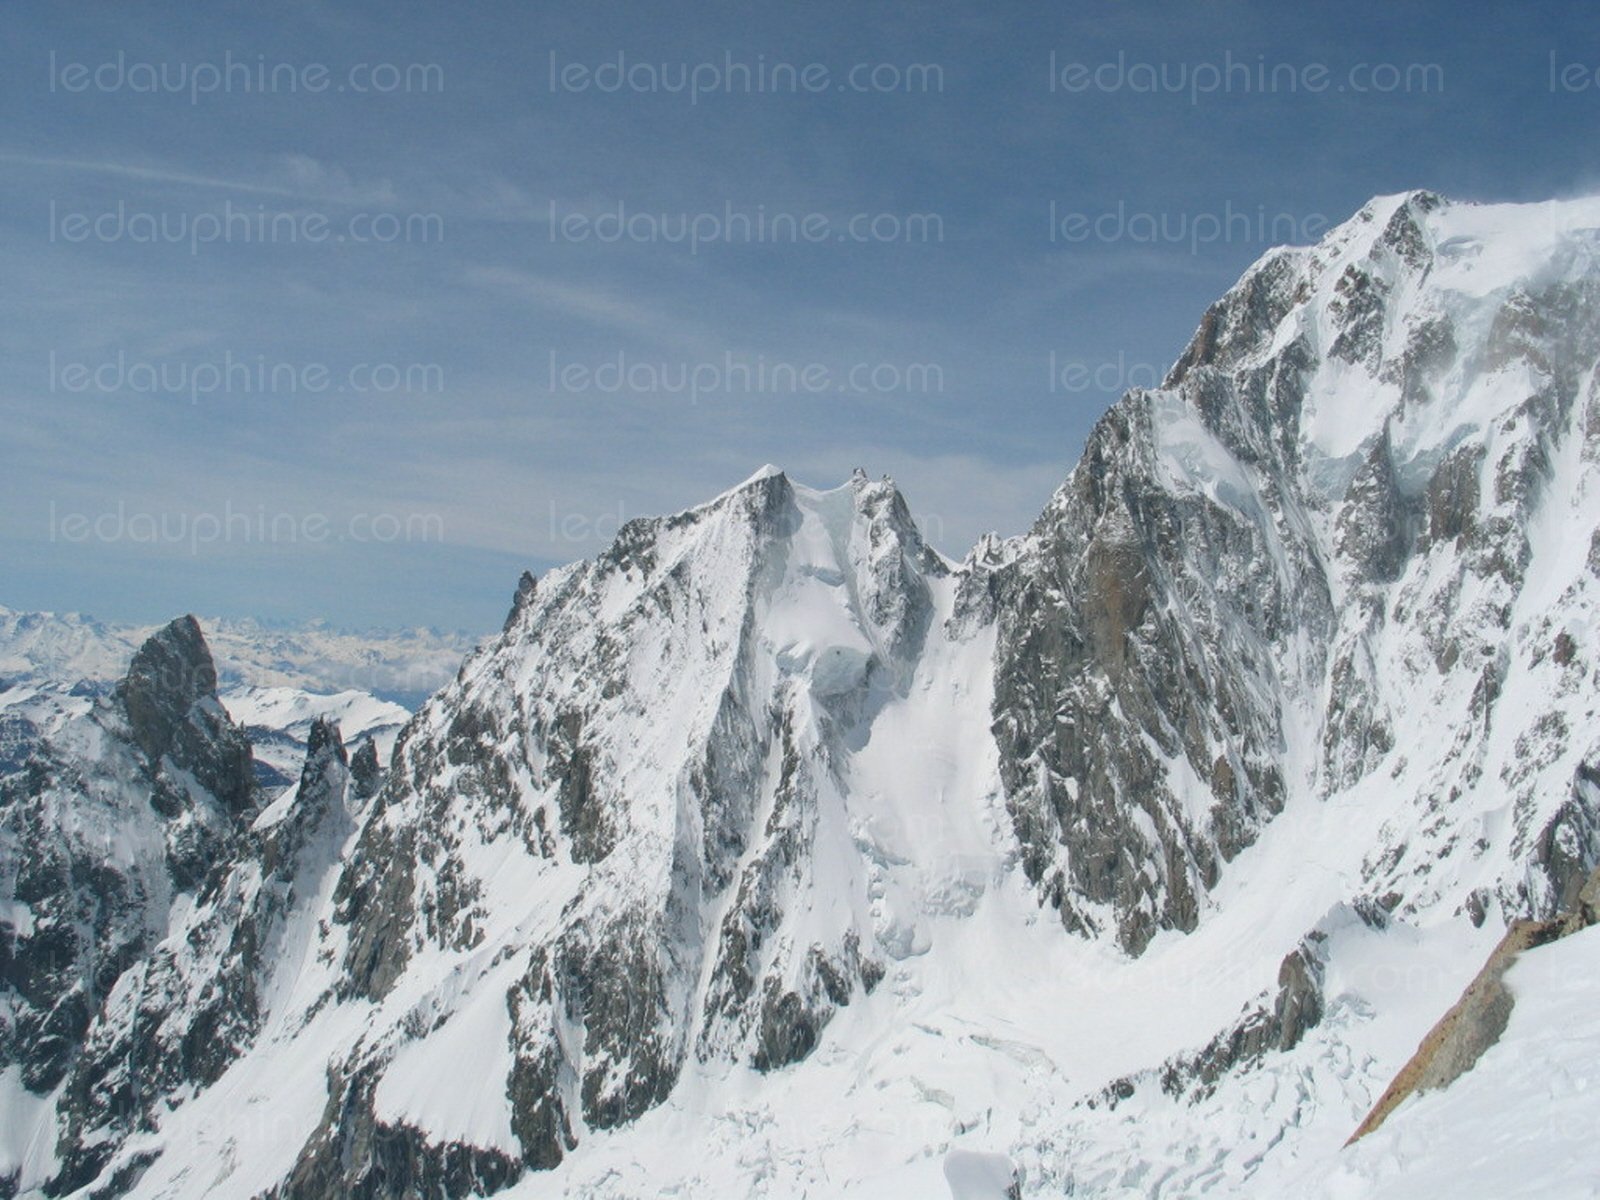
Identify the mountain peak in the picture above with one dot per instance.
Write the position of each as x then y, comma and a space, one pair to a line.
169, 673
325, 740
765, 471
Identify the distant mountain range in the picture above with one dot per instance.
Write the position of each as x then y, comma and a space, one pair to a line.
403, 666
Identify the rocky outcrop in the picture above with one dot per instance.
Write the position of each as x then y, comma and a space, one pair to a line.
169, 674
1273, 1023
353, 1153
170, 699
527, 584
366, 773
1453, 1046
1257, 551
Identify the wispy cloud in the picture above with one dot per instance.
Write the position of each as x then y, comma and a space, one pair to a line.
302, 169
304, 179
600, 308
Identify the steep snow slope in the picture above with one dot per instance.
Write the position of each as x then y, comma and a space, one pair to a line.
771, 854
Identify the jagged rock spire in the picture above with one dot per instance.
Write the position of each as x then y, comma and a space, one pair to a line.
171, 671
526, 586
324, 741
366, 772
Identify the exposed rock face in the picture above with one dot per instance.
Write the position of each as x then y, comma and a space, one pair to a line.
155, 900
1116, 662
321, 816
169, 701
366, 773
171, 672
526, 586
1247, 562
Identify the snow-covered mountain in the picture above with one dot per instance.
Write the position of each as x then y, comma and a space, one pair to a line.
773, 854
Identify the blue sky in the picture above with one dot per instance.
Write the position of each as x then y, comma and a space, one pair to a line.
353, 311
